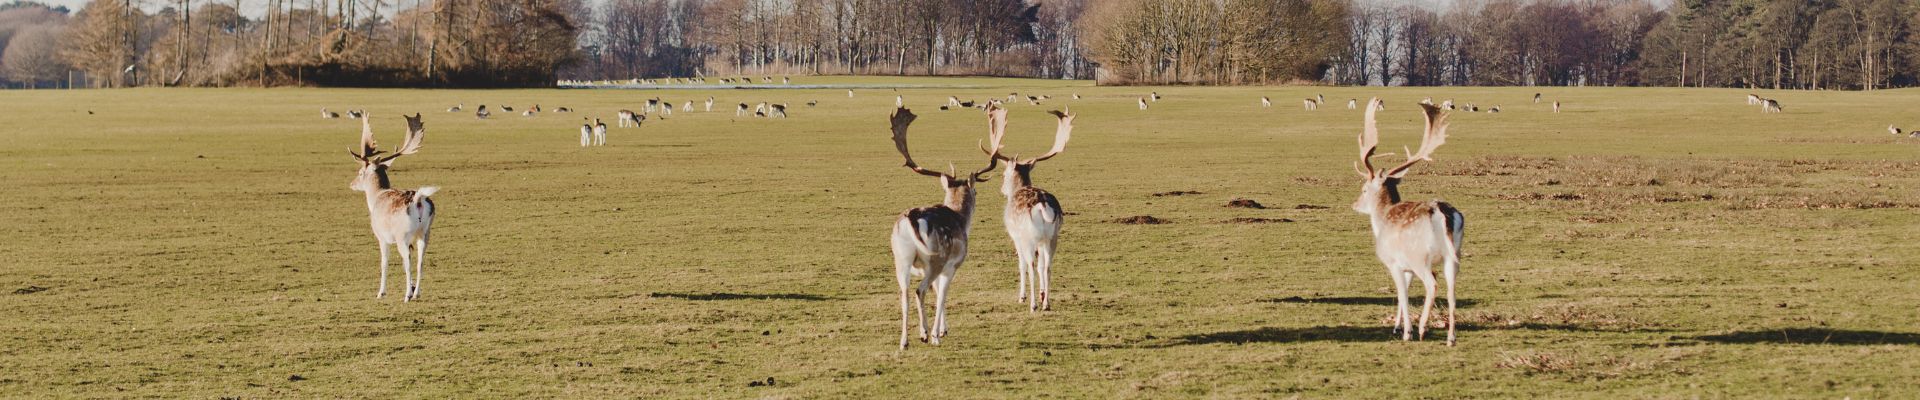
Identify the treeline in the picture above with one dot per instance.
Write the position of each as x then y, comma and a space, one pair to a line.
114, 43
1796, 44
1497, 43
650, 38
1784, 44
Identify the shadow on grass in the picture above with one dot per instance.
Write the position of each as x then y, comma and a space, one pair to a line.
741, 296
1813, 336
1438, 302
1358, 334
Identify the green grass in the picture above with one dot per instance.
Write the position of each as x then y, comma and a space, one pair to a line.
1645, 243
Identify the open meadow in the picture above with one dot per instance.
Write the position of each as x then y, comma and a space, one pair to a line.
1643, 243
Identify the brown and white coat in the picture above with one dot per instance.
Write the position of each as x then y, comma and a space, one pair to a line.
1033, 216
930, 242
399, 217
1409, 237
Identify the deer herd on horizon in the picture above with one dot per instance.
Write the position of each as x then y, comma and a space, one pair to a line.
931, 242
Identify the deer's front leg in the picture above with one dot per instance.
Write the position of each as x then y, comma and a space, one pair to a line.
383, 272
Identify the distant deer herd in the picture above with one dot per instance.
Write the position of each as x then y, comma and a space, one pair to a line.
930, 243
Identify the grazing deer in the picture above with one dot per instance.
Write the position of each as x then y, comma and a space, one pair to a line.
811, 103
628, 118
1265, 102
784, 80
1319, 98
967, 104
356, 114
1536, 98
328, 114
953, 101
1353, 104
1448, 104
760, 109
780, 110
1155, 96
506, 108
482, 112
741, 110
527, 113
652, 104
399, 217
1143, 104
456, 107
1033, 216
931, 242
687, 107
1556, 107
1409, 237
1753, 99
599, 132
1493, 110
1891, 129
562, 110
1076, 96
666, 108
1770, 106
1310, 104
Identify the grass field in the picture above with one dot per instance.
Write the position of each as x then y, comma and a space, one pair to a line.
1644, 243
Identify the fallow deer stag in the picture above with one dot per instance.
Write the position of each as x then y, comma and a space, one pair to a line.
400, 217
1409, 237
931, 242
1033, 216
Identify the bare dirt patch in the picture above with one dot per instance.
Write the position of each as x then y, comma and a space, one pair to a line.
1256, 220
1141, 220
1245, 203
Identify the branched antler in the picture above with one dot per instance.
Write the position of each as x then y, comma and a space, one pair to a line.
1060, 136
1369, 140
902, 118
368, 147
416, 132
1435, 136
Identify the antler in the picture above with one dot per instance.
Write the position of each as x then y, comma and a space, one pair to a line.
1060, 136
416, 131
1369, 139
1435, 136
368, 148
902, 118
996, 131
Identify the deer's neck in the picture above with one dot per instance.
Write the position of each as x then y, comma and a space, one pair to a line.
1382, 205
373, 196
961, 201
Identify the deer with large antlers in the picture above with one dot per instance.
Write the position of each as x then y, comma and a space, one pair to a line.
931, 242
400, 217
1033, 216
1409, 237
